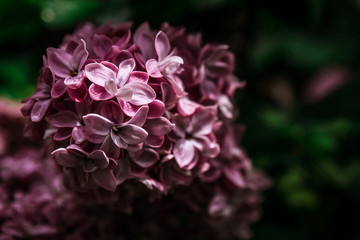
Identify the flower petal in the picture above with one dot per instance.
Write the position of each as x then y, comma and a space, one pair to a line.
162, 45
142, 93
99, 158
101, 45
235, 176
154, 141
153, 69
112, 111
62, 134
58, 89
109, 147
203, 121
104, 179
79, 56
140, 116
99, 74
63, 118
125, 93
99, 93
125, 68
39, 109
132, 134
137, 76
182, 125
184, 152
119, 142
186, 107
128, 108
63, 158
77, 134
59, 62
147, 158
159, 126
78, 95
156, 109
97, 124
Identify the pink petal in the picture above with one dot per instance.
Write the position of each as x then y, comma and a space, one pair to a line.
58, 89
139, 117
125, 68
109, 147
186, 107
39, 109
93, 137
101, 45
104, 179
75, 82
78, 135
62, 134
142, 93
128, 108
206, 146
112, 111
148, 158
118, 141
111, 87
80, 55
125, 93
184, 152
97, 124
156, 109
137, 76
235, 176
182, 125
77, 150
154, 141
159, 126
203, 121
63, 158
59, 62
99, 158
162, 45
132, 134
99, 93
63, 118
78, 95
153, 69
168, 95
99, 74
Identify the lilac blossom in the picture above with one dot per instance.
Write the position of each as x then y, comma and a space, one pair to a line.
126, 117
67, 65
128, 86
94, 166
193, 134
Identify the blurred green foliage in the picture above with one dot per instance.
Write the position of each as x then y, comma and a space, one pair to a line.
311, 150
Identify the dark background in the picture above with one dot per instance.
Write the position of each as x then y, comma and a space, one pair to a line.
308, 145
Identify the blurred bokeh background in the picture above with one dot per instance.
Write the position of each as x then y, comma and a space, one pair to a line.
300, 107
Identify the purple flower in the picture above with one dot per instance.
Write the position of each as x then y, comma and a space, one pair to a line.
94, 166
167, 63
125, 135
67, 65
193, 134
128, 86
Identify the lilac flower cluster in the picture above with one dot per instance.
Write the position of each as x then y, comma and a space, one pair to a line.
151, 110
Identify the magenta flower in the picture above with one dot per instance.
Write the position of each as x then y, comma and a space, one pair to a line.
95, 166
126, 135
194, 134
67, 65
132, 116
128, 86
